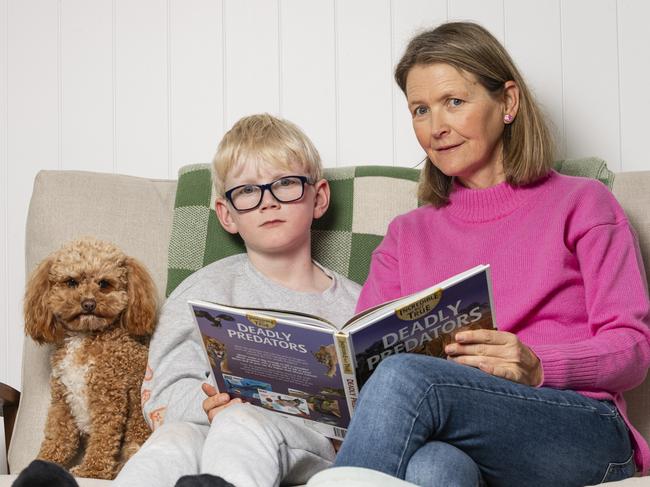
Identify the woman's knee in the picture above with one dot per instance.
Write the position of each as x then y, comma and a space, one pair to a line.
439, 463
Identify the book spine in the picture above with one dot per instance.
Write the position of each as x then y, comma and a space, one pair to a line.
346, 367
324, 429
488, 278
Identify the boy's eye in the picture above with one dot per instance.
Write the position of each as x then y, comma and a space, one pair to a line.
249, 189
72, 283
286, 182
104, 284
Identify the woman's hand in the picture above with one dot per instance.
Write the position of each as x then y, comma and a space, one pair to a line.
216, 402
498, 353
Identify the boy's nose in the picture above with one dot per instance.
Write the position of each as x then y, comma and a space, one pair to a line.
268, 200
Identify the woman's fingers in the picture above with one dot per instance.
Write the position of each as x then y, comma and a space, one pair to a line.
498, 353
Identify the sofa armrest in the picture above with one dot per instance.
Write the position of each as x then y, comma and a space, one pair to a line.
9, 399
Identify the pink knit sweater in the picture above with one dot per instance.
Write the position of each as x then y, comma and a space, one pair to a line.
567, 277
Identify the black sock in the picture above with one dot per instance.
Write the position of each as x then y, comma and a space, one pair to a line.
40, 473
203, 480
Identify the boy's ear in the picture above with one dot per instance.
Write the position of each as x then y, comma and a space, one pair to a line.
322, 198
225, 216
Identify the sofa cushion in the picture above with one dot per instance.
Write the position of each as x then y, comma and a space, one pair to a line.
631, 191
589, 167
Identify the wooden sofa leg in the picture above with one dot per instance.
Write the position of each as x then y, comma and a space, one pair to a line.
9, 399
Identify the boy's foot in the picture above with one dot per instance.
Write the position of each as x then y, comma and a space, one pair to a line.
203, 480
40, 473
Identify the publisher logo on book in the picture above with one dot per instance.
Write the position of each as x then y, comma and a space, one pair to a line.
419, 308
261, 321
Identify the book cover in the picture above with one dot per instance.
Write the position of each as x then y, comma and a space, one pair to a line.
425, 325
282, 366
307, 369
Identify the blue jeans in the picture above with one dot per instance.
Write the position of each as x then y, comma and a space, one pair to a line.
434, 422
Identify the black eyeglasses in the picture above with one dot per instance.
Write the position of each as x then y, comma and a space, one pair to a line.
285, 190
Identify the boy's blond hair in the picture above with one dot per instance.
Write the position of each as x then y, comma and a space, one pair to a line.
264, 140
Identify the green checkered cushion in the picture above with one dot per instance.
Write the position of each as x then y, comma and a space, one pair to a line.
589, 167
351, 226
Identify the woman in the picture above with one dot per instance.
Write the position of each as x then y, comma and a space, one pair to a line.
538, 402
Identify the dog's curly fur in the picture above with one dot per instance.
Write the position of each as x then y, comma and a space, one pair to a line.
98, 307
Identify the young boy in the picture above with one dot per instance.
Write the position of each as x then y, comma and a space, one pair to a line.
268, 180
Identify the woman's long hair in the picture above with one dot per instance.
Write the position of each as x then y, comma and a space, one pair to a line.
527, 144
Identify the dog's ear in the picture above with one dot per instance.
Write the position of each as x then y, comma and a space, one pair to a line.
40, 323
139, 318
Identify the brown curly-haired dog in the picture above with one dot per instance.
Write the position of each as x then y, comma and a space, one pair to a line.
99, 307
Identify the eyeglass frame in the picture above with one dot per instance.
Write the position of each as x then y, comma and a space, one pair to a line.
263, 187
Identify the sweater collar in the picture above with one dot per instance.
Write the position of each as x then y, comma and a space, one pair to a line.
483, 205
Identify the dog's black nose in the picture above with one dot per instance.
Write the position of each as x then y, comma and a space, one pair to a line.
88, 305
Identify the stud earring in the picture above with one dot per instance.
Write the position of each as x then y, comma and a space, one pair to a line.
508, 118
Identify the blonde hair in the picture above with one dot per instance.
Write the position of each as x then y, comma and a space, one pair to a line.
264, 140
527, 144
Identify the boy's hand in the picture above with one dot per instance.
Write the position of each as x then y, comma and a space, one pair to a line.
216, 402
336, 444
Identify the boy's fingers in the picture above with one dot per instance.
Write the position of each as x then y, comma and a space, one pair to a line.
209, 389
212, 412
215, 401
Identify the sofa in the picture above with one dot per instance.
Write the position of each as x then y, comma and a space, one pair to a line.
169, 226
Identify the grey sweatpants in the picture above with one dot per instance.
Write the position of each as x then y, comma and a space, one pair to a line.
245, 445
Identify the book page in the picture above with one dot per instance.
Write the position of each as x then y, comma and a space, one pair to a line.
273, 364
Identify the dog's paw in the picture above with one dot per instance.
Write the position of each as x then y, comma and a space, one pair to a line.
85, 471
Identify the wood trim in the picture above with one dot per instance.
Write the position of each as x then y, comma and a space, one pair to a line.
9, 400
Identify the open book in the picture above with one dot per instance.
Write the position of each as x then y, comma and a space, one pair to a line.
312, 370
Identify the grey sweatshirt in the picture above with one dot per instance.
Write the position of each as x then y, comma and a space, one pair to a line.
177, 366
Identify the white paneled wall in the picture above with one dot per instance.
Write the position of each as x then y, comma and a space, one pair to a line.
6, 363
144, 87
86, 94
591, 79
308, 70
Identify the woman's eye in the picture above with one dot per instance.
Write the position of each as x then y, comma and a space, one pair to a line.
421, 110
455, 102
72, 283
104, 284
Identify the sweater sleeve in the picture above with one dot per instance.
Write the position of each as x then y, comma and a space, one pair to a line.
177, 368
616, 356
383, 282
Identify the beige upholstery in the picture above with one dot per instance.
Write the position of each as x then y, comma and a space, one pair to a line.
136, 214
632, 189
